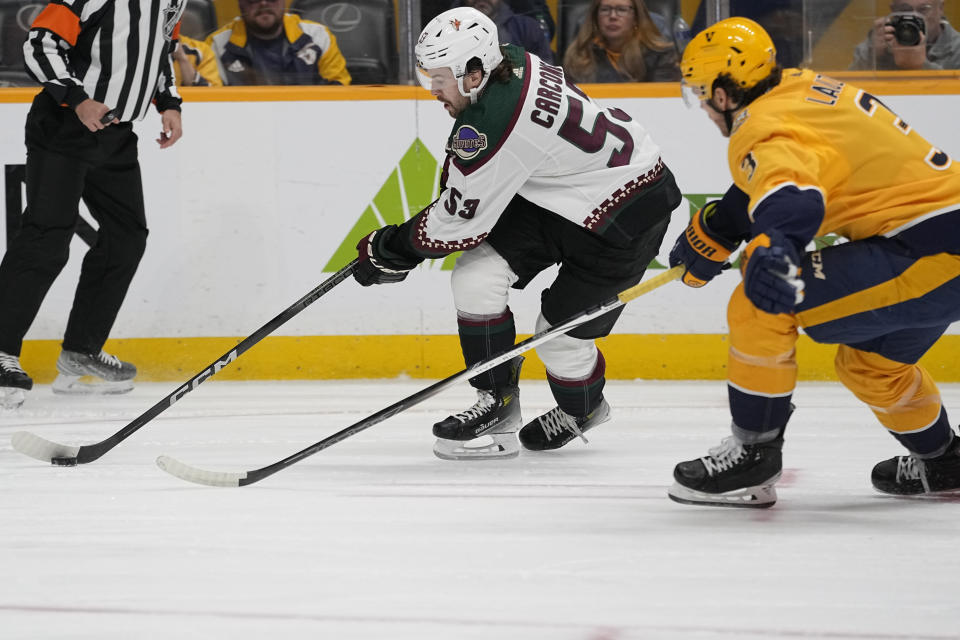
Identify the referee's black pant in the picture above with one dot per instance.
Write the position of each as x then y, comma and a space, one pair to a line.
67, 162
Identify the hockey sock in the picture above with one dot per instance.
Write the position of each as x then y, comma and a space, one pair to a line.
931, 441
580, 397
756, 414
485, 337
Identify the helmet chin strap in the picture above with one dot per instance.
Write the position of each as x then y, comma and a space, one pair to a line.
473, 93
728, 119
726, 113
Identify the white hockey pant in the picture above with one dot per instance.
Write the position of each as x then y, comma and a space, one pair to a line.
481, 283
481, 287
566, 357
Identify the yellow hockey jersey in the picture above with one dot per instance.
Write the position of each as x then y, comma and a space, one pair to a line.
875, 173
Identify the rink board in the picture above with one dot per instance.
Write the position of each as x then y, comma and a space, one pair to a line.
266, 193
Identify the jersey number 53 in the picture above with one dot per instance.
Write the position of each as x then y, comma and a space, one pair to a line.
453, 204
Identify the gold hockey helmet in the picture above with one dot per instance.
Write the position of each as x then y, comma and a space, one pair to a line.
738, 47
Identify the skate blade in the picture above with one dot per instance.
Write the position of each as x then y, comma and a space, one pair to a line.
496, 446
89, 385
942, 493
759, 497
11, 398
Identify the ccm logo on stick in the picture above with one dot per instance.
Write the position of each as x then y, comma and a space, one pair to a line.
202, 376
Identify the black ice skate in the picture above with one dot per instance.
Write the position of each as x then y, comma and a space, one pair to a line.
92, 373
485, 431
732, 474
14, 382
556, 427
909, 475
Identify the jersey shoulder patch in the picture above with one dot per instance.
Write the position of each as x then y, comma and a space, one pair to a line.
467, 142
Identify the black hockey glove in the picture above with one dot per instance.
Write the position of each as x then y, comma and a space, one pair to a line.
771, 275
703, 253
376, 263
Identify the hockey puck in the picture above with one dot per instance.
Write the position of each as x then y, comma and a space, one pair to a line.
64, 462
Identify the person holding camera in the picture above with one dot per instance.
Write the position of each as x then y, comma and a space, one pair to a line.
915, 35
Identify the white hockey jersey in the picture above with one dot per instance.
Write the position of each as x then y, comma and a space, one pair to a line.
539, 136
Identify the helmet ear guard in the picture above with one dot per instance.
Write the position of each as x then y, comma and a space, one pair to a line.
452, 40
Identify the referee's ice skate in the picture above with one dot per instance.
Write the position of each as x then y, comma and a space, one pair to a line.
732, 474
14, 382
92, 373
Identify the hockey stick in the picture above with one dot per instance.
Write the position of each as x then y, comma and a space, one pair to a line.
67, 456
228, 479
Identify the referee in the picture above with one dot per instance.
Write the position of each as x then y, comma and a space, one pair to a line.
102, 63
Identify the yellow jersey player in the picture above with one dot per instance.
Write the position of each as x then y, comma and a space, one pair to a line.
810, 156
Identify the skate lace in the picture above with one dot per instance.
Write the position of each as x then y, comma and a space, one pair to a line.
10, 363
556, 421
109, 360
485, 401
910, 468
723, 456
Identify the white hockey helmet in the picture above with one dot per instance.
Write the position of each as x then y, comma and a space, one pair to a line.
454, 38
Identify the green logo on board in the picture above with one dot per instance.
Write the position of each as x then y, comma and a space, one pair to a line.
413, 184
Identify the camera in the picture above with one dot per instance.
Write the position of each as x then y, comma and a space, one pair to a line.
908, 28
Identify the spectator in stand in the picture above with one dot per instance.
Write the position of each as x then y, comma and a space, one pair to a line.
536, 9
266, 45
196, 64
539, 11
431, 8
621, 41
523, 31
939, 46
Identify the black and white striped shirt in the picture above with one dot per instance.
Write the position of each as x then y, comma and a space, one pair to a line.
114, 51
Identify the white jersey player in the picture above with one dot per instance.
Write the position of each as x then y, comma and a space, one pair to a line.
536, 174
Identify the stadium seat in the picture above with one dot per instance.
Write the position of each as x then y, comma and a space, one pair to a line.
16, 16
365, 33
16, 78
199, 19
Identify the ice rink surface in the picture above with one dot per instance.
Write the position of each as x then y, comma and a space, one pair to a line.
376, 538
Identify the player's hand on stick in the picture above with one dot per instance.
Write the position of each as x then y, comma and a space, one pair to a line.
702, 253
771, 277
377, 264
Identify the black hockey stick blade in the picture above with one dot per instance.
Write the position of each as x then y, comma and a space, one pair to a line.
231, 479
55, 453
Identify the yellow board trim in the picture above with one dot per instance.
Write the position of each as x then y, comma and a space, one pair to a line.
877, 82
922, 277
654, 357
